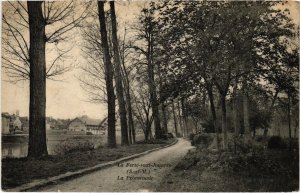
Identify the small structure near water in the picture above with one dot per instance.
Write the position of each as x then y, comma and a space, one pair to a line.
87, 125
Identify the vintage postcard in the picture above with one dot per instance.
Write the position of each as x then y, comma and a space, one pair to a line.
150, 96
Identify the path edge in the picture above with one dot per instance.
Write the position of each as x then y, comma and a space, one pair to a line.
69, 175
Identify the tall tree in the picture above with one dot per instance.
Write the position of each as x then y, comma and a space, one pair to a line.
118, 77
37, 146
111, 120
25, 58
146, 33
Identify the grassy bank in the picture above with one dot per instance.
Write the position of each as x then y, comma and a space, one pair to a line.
204, 170
18, 171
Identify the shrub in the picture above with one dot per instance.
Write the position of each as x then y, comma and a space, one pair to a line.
276, 142
203, 139
208, 126
69, 146
170, 135
192, 135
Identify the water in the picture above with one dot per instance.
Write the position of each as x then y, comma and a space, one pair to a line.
17, 145
14, 149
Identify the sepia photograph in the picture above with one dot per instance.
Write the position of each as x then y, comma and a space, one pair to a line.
150, 96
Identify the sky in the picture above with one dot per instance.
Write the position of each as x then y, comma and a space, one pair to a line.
66, 99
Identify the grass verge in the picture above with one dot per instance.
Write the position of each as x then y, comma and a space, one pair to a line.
18, 171
204, 170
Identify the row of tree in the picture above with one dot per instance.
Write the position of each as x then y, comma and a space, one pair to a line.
181, 58
133, 66
226, 50
35, 31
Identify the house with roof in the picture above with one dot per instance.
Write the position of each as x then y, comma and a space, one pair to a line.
87, 125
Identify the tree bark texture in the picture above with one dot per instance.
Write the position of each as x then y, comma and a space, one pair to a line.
118, 77
213, 113
184, 116
289, 121
180, 118
152, 88
174, 117
111, 131
37, 146
224, 122
234, 110
130, 113
164, 116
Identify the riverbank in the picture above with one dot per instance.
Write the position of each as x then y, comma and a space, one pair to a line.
17, 145
205, 170
18, 171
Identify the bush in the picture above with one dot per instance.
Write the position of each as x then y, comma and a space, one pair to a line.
170, 135
276, 142
203, 139
192, 135
69, 146
208, 126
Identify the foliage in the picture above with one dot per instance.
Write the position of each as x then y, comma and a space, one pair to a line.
276, 142
60, 19
202, 140
208, 126
69, 146
192, 135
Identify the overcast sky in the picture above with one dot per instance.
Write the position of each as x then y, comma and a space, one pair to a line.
67, 99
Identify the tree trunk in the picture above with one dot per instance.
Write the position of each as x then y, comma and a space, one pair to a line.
234, 110
118, 77
128, 99
152, 89
214, 115
180, 119
162, 104
165, 122
37, 146
247, 131
174, 117
289, 121
295, 129
235, 115
130, 116
184, 116
147, 133
224, 121
111, 120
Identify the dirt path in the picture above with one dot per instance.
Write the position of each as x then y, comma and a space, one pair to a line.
140, 174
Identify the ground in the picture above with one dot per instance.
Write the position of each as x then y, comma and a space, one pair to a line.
18, 171
144, 173
204, 170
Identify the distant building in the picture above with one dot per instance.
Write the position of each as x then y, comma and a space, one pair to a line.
87, 125
17, 123
25, 124
11, 123
5, 118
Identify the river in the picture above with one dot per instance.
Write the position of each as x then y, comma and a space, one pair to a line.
17, 145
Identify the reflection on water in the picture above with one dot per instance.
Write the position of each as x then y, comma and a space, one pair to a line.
20, 149
17, 145
14, 149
